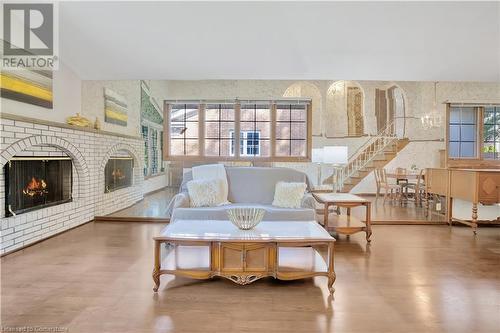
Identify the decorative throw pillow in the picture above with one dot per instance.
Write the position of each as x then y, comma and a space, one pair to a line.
210, 172
289, 195
205, 192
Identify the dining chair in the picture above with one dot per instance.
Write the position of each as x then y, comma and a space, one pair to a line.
401, 171
418, 188
389, 189
400, 175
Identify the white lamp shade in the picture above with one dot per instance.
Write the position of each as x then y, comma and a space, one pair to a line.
317, 155
335, 155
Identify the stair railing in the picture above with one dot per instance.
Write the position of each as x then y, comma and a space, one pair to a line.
367, 152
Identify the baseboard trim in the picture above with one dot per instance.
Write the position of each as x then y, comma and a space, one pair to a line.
131, 219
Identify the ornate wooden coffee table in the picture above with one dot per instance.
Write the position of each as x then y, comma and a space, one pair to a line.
285, 250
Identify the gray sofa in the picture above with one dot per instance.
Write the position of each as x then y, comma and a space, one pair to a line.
248, 186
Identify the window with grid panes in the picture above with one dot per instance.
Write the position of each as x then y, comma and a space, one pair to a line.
184, 140
256, 122
491, 133
161, 152
145, 137
154, 151
219, 124
249, 143
255, 129
462, 132
291, 129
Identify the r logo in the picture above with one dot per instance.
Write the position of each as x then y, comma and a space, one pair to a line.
28, 29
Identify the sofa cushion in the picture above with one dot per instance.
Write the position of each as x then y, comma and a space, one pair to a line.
211, 172
256, 184
205, 192
219, 213
289, 195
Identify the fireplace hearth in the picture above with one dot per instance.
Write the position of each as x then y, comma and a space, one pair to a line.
35, 183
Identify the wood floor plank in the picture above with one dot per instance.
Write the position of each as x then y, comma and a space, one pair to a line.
97, 278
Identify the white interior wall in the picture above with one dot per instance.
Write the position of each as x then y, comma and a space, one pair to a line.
71, 95
419, 98
67, 99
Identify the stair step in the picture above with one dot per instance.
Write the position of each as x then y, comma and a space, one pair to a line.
378, 160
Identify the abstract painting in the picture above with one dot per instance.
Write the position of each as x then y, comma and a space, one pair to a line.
115, 108
28, 86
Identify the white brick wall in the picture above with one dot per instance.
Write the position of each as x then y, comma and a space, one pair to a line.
90, 152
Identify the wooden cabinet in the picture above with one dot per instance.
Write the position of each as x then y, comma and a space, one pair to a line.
472, 185
475, 185
245, 257
436, 181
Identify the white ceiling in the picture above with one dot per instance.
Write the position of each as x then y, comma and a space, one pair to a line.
282, 40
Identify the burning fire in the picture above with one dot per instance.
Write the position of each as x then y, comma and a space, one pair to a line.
36, 187
117, 174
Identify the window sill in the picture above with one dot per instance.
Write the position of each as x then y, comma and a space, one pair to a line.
237, 159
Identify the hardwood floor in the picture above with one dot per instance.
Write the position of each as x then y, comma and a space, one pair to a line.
97, 278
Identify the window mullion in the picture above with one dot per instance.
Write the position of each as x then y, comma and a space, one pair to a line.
166, 131
272, 138
201, 129
309, 131
480, 132
237, 127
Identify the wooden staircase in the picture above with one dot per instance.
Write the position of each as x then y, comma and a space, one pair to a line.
375, 153
379, 160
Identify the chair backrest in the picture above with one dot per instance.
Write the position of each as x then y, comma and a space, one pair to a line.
376, 173
401, 171
420, 179
380, 176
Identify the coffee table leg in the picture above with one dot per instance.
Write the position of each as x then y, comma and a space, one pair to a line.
331, 271
156, 269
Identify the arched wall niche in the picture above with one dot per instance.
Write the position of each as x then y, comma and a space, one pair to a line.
391, 109
121, 149
309, 90
81, 174
345, 109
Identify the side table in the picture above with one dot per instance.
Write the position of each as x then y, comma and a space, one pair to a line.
345, 224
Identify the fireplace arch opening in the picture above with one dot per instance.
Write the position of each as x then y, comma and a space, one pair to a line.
118, 171
33, 183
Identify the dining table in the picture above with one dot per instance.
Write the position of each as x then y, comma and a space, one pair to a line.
403, 179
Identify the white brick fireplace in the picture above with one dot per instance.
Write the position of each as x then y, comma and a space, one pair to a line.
89, 151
